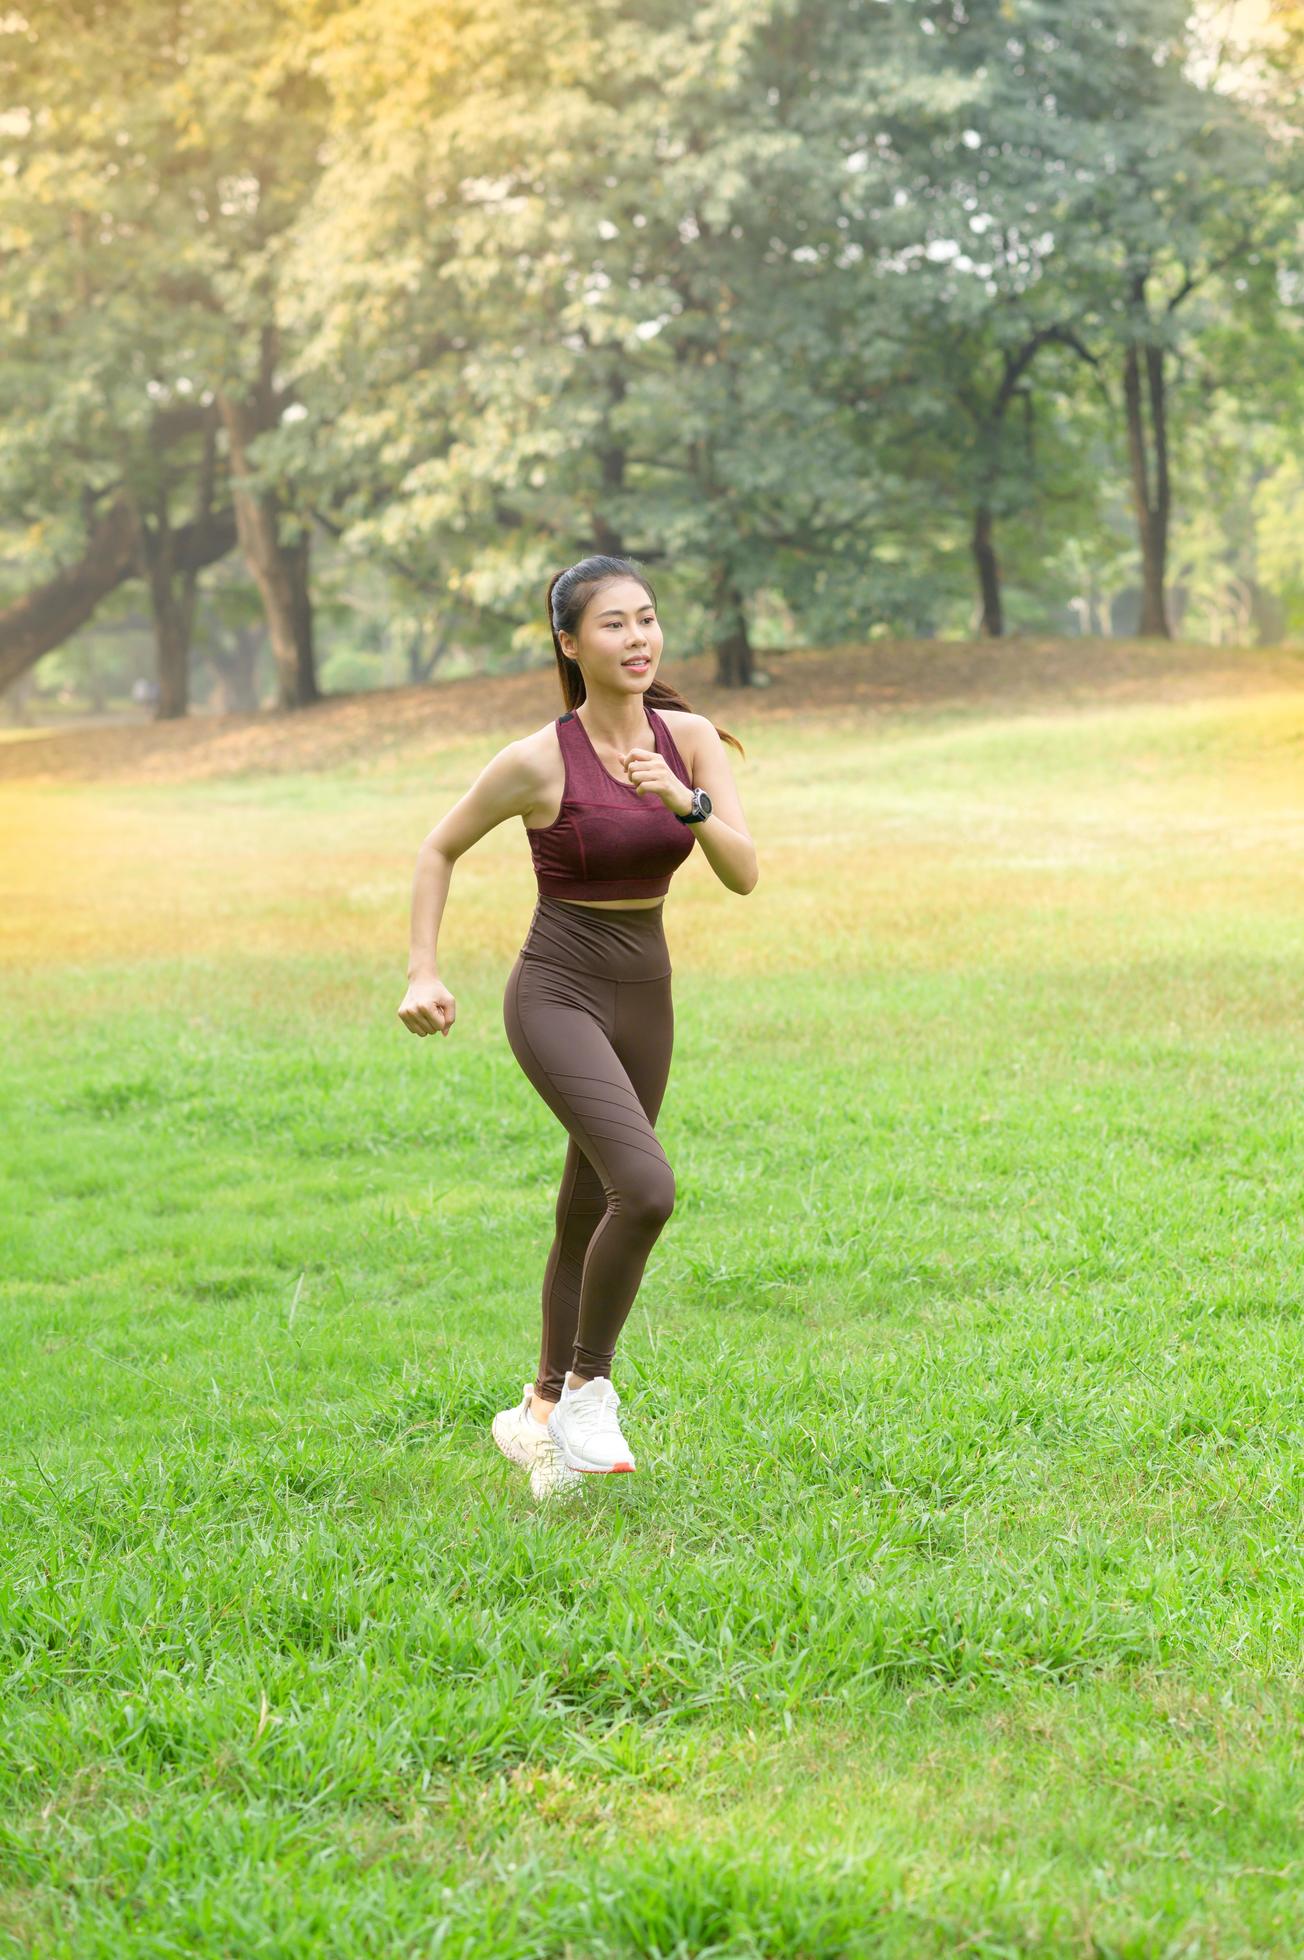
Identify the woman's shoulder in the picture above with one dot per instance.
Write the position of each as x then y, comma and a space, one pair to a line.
538, 740
683, 725
538, 750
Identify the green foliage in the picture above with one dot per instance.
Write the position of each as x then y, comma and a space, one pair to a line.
773, 296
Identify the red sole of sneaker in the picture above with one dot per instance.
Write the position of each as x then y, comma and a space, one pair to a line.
592, 1470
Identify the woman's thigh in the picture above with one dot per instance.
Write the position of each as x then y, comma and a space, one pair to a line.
593, 1057
643, 1036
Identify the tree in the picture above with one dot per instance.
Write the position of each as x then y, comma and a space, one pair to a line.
165, 154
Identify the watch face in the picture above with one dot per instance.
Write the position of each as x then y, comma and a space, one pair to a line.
704, 802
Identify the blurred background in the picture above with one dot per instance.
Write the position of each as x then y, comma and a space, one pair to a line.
332, 328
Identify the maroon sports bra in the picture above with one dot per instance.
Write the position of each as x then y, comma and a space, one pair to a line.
608, 841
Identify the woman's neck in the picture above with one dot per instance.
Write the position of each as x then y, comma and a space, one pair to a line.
618, 725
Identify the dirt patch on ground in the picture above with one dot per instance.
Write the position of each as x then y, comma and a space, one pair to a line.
865, 682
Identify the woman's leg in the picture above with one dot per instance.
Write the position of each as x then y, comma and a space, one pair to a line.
598, 1052
581, 1204
642, 1039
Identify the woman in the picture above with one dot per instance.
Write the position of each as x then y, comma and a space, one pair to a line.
613, 794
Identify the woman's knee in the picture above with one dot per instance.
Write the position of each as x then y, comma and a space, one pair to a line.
650, 1199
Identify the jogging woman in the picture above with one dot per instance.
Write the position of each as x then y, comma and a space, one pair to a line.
613, 795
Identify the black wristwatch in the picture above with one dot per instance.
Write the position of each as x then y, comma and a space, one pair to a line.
701, 808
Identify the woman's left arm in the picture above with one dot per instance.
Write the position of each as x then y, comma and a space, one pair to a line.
723, 835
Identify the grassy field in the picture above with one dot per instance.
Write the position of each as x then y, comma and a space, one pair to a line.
956, 1606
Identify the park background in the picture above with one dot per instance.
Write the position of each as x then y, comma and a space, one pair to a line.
940, 364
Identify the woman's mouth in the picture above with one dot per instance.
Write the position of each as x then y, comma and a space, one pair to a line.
639, 665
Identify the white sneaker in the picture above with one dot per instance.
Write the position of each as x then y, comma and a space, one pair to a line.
526, 1441
585, 1429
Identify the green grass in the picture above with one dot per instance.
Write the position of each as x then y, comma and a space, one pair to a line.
956, 1606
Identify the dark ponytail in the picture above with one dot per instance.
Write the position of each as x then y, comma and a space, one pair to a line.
569, 593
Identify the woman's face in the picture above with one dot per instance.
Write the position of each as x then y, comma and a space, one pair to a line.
619, 630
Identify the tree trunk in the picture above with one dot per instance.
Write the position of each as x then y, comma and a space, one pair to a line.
989, 574
1267, 616
190, 572
46, 617
50, 614
989, 431
17, 696
172, 647
236, 668
733, 648
415, 663
605, 539
1152, 511
157, 552
280, 570
422, 664
297, 558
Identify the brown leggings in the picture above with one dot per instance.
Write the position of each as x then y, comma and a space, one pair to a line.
589, 1018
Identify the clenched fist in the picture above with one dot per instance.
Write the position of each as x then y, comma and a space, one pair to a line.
428, 1008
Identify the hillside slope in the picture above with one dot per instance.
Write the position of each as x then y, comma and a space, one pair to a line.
886, 677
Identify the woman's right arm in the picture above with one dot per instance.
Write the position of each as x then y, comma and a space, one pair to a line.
507, 786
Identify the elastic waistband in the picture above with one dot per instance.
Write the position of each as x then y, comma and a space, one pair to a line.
620, 943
